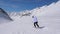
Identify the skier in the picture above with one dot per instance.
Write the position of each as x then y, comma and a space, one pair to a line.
35, 21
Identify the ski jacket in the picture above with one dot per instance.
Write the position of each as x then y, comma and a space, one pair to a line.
35, 19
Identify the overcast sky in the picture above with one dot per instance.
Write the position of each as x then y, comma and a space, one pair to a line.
20, 5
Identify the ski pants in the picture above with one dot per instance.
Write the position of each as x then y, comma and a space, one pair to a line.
36, 24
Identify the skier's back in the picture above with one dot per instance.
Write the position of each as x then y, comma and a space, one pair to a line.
35, 20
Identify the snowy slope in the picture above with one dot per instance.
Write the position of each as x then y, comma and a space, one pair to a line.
4, 17
48, 16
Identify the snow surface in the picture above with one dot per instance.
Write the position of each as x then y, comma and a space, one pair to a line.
48, 16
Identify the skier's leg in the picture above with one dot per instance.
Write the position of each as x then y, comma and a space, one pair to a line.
37, 24
34, 24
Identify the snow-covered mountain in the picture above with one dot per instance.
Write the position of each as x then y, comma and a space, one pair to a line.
48, 16
4, 16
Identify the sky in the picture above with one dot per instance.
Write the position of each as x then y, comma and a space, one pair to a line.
20, 5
